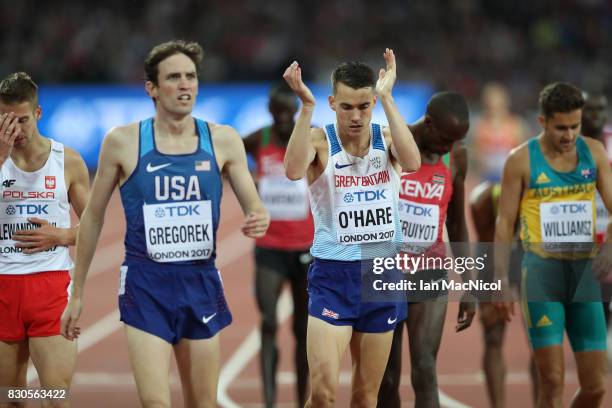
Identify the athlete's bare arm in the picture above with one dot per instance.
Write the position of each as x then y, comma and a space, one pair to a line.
48, 236
602, 265
115, 157
458, 233
300, 149
231, 159
401, 142
481, 207
516, 171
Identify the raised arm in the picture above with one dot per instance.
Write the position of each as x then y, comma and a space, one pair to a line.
403, 146
300, 150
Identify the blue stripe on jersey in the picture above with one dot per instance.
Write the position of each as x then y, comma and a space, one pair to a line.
333, 139
377, 142
146, 143
140, 187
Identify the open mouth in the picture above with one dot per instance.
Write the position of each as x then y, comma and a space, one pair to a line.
184, 98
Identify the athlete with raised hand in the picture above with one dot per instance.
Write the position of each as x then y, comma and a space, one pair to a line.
346, 163
41, 180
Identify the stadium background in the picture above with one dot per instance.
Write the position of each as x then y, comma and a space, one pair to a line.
87, 58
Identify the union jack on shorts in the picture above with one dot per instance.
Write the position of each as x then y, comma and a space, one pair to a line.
329, 313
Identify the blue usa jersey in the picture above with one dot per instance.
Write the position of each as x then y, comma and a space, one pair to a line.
172, 201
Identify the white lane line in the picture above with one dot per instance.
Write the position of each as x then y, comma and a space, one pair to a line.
245, 353
231, 248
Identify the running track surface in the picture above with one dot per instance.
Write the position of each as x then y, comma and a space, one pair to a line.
103, 376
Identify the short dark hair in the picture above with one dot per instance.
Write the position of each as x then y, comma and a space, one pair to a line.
560, 97
449, 103
162, 51
353, 74
18, 87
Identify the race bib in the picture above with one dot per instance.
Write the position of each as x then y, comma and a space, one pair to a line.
420, 223
14, 217
364, 215
566, 222
180, 231
283, 198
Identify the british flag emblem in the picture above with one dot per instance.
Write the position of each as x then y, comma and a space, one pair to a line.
329, 313
50, 182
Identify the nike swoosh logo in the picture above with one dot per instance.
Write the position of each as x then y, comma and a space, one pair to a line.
392, 321
151, 168
207, 319
341, 166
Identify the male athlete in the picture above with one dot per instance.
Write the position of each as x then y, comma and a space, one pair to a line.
41, 179
430, 198
282, 254
169, 170
550, 184
352, 168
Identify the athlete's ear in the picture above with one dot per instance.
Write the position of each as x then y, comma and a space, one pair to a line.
151, 89
38, 112
542, 121
330, 99
374, 99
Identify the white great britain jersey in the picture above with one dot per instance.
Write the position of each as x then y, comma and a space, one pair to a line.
40, 194
354, 203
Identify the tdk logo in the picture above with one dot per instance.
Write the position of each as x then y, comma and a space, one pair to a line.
365, 196
415, 210
569, 209
27, 209
182, 210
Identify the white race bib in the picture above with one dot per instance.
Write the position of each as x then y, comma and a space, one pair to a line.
283, 198
14, 216
364, 215
419, 224
179, 231
566, 222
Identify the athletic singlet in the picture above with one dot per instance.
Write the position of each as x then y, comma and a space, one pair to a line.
172, 201
557, 212
41, 194
291, 226
424, 197
354, 202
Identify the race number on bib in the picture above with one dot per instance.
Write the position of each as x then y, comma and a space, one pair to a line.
180, 231
419, 224
285, 199
362, 216
566, 222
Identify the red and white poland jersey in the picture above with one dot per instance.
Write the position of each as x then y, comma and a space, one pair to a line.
424, 197
39, 194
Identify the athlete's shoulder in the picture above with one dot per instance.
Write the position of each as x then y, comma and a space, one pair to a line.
124, 133
72, 157
597, 149
223, 134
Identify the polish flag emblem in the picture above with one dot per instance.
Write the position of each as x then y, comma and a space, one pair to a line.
50, 182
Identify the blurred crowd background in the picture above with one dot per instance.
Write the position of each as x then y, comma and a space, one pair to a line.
498, 53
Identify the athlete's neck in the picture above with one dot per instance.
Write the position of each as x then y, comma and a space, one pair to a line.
358, 144
32, 156
171, 125
418, 132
